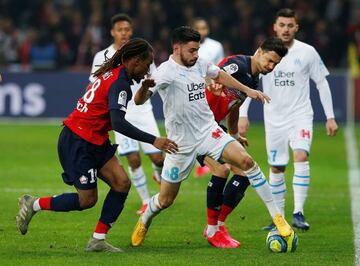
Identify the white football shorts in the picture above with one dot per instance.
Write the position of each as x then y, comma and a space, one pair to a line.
177, 167
144, 121
297, 136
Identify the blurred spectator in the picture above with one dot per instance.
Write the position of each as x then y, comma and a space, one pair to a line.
67, 33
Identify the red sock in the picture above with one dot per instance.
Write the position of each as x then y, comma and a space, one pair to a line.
44, 203
212, 216
101, 228
224, 212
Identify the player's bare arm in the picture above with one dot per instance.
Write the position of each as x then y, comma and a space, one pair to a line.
228, 81
232, 125
331, 127
143, 94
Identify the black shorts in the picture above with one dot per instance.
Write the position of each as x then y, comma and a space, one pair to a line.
81, 160
201, 158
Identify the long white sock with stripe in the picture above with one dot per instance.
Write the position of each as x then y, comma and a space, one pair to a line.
152, 209
138, 179
278, 190
301, 182
262, 188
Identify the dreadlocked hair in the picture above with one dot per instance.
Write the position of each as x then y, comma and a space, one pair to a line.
136, 47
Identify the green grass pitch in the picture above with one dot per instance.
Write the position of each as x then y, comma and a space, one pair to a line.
29, 164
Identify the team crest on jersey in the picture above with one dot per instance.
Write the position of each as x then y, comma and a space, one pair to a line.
231, 69
83, 180
217, 133
122, 98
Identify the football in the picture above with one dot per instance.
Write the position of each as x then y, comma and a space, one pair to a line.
278, 244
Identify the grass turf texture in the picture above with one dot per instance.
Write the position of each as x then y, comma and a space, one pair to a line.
29, 164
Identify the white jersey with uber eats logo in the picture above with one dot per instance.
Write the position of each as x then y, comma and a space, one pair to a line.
182, 90
289, 88
188, 118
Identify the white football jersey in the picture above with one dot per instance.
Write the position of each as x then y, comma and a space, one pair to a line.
187, 114
211, 50
288, 85
133, 110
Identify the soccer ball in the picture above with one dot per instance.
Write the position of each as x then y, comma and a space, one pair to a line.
278, 244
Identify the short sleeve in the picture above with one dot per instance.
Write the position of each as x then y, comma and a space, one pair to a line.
212, 70
318, 70
119, 95
162, 77
234, 65
98, 61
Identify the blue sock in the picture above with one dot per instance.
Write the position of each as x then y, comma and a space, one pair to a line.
113, 205
215, 192
65, 202
235, 190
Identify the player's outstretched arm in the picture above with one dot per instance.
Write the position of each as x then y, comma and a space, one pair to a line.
121, 125
232, 125
165, 145
143, 94
228, 81
244, 123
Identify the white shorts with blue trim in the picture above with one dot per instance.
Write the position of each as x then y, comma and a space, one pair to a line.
297, 136
177, 167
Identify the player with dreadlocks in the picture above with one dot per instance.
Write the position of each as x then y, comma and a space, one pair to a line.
221, 199
84, 148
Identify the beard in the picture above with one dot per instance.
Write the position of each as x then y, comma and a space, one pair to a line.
187, 63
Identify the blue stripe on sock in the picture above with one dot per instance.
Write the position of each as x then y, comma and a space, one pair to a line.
141, 185
251, 177
277, 185
302, 176
260, 184
150, 206
278, 192
302, 185
138, 178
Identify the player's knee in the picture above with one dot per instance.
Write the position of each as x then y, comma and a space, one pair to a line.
121, 184
247, 162
300, 156
88, 202
166, 202
134, 160
158, 161
222, 171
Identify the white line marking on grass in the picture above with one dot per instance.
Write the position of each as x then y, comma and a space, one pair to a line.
354, 183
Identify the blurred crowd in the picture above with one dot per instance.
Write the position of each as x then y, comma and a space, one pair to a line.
66, 34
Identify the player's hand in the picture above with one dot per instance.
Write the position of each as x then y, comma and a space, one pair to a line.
331, 127
243, 141
216, 89
148, 83
243, 125
166, 145
258, 95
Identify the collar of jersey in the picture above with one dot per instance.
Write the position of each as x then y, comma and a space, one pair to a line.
125, 75
178, 65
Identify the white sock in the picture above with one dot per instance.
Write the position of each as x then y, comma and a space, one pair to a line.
211, 230
36, 205
138, 179
157, 172
278, 190
301, 182
152, 209
262, 188
99, 236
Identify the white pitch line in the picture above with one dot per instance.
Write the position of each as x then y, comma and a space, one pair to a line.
354, 184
